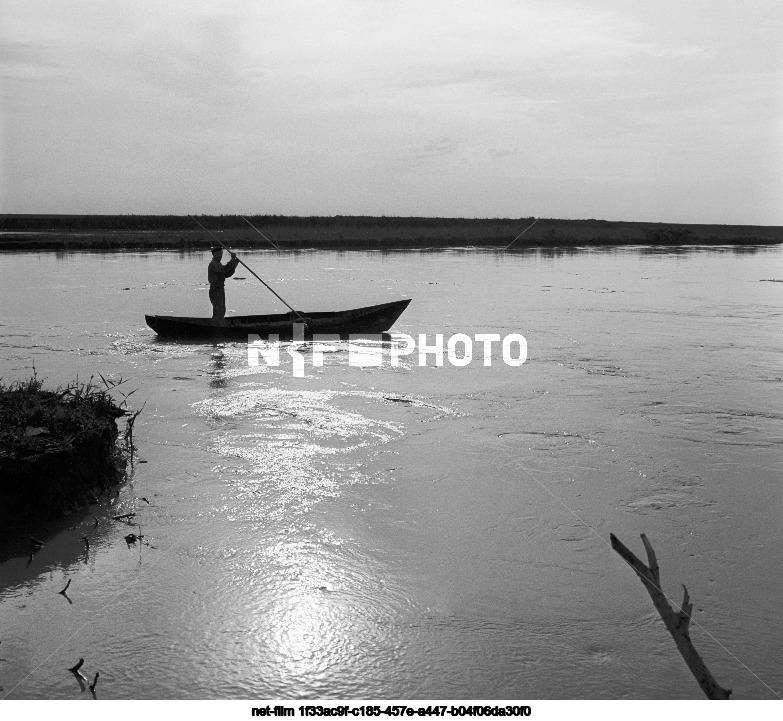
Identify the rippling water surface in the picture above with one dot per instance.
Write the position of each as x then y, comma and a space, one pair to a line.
414, 532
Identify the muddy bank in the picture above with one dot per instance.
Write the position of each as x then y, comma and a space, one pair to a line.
34, 232
58, 452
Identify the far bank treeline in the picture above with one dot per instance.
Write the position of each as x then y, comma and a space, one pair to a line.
19, 232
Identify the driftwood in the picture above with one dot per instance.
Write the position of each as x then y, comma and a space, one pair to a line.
94, 684
64, 594
80, 677
676, 622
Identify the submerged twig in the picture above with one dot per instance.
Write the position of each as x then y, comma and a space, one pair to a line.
94, 683
64, 591
129, 423
80, 677
677, 623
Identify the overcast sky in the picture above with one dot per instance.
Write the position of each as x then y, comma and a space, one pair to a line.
631, 110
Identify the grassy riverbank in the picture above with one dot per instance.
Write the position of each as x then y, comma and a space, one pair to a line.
58, 451
110, 232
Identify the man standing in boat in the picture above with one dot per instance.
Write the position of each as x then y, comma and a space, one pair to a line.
217, 274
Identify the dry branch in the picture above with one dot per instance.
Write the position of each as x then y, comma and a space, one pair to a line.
94, 684
677, 623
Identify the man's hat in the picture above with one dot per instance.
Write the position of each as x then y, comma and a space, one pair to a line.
216, 247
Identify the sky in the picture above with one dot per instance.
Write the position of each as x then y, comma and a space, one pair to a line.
666, 111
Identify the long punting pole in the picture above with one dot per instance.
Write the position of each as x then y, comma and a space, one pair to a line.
225, 247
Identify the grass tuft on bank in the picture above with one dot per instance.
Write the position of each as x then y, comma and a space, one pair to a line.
58, 450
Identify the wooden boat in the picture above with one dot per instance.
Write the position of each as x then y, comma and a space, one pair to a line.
371, 320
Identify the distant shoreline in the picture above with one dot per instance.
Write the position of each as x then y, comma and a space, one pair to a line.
144, 232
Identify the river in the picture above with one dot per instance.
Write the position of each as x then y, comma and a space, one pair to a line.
414, 531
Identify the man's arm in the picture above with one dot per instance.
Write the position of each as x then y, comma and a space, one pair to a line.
231, 266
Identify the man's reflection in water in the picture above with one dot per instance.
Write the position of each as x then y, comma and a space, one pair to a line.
217, 369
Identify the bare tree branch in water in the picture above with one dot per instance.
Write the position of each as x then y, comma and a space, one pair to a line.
677, 622
94, 684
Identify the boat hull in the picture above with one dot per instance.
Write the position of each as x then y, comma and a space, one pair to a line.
372, 319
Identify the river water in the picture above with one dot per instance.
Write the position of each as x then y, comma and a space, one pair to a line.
414, 531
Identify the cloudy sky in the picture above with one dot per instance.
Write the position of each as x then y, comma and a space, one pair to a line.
617, 109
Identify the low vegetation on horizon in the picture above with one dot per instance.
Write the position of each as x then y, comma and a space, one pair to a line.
20, 232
